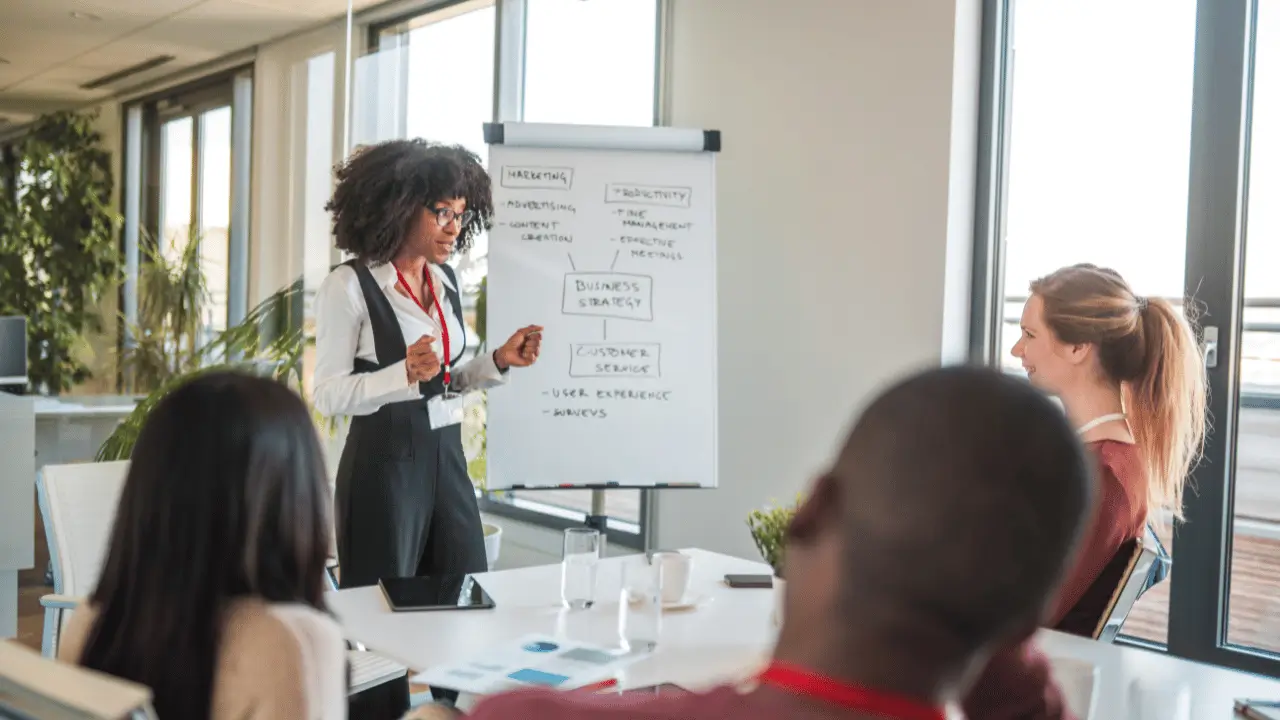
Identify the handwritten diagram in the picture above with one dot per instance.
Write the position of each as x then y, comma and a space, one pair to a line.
605, 294
618, 296
613, 252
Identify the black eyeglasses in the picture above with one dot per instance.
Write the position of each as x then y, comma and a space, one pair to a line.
446, 215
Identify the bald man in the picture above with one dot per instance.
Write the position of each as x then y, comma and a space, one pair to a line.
934, 541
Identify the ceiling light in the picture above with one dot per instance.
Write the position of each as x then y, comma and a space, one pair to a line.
77, 15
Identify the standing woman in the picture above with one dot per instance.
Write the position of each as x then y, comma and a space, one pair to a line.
389, 340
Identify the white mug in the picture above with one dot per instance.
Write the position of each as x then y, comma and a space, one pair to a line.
676, 569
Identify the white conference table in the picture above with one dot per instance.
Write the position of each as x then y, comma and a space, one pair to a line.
729, 638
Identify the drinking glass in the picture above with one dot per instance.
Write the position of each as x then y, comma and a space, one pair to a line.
640, 605
578, 568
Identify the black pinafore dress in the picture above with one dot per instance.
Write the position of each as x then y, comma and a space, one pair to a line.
404, 503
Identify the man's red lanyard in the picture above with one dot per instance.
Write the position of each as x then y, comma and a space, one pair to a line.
850, 697
444, 326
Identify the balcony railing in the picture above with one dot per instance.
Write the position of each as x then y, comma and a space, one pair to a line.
1260, 381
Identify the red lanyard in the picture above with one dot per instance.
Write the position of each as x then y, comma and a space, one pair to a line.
444, 326
851, 697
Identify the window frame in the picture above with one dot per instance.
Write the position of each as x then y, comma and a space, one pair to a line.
142, 174
508, 106
1223, 83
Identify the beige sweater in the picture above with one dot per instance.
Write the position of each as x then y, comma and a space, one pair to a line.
277, 661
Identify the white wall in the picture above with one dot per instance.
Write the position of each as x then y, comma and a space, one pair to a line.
845, 216
845, 182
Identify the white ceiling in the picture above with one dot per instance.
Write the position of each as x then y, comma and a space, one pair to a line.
50, 53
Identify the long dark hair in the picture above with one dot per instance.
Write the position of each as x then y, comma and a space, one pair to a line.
226, 497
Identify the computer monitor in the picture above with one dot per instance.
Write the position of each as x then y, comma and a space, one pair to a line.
13, 352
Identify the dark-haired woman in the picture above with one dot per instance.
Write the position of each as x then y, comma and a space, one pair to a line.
212, 593
389, 345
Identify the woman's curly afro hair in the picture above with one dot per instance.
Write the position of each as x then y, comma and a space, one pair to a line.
383, 188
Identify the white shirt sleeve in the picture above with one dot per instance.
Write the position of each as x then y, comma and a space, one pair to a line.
478, 373
340, 313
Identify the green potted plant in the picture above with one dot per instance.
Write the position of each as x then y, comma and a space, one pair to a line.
167, 339
475, 439
269, 341
475, 445
769, 531
59, 250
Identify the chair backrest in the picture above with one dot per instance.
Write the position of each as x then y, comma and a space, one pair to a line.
78, 503
1147, 565
34, 686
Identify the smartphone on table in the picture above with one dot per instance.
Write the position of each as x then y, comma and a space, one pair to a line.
749, 581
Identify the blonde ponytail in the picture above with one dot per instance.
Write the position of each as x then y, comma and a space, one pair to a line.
1166, 404
1152, 352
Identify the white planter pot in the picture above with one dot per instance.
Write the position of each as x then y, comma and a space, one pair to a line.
492, 543
779, 598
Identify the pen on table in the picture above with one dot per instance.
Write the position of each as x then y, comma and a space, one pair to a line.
602, 685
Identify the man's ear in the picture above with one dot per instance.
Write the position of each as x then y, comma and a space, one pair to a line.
818, 511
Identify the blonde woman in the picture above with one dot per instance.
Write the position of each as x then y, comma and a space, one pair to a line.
1130, 376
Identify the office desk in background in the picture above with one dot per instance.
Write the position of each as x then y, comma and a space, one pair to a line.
730, 637
71, 429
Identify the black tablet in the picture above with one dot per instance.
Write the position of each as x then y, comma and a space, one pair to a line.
436, 592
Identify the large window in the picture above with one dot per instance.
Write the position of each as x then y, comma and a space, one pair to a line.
446, 60
1129, 155
314, 103
180, 151
434, 76
590, 63
1098, 152
1255, 531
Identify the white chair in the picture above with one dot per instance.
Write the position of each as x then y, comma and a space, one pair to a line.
35, 687
78, 503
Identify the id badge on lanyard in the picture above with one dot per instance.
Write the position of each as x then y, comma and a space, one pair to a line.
447, 408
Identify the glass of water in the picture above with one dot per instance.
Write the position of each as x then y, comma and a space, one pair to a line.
640, 606
578, 568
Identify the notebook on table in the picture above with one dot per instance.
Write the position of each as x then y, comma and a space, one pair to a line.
532, 661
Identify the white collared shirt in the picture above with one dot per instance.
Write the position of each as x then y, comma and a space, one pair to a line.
344, 333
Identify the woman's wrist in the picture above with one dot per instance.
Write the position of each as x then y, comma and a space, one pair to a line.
497, 362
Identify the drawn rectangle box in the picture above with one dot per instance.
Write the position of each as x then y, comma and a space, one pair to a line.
537, 178
656, 195
615, 360
621, 296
